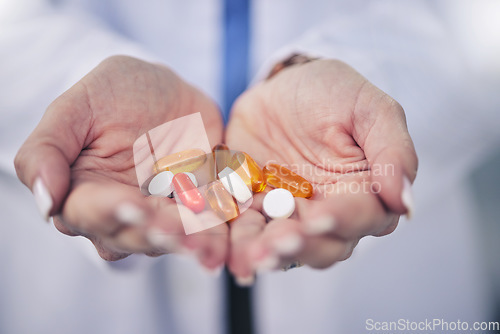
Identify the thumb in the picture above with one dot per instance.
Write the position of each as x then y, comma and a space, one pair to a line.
390, 152
43, 161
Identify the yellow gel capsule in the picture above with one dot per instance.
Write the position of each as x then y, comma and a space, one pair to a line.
281, 177
184, 161
221, 202
249, 171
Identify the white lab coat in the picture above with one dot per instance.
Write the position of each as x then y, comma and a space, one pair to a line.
439, 59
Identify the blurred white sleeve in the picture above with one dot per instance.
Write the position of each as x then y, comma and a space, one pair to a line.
439, 59
44, 49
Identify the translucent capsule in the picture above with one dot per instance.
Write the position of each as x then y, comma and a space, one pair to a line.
280, 177
249, 171
220, 147
221, 156
184, 161
221, 202
187, 192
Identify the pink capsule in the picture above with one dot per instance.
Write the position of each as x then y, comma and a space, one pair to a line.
189, 195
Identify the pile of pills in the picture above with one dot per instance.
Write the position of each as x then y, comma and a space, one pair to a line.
235, 177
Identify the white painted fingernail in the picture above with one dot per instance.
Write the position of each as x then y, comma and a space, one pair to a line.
270, 262
320, 225
162, 239
407, 198
214, 272
43, 198
130, 214
245, 281
288, 244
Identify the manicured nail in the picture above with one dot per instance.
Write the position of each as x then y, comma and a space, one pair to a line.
289, 244
321, 225
130, 214
42, 198
269, 262
162, 239
214, 272
245, 281
407, 198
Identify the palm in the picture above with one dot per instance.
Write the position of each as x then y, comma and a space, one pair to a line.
303, 118
125, 98
328, 123
85, 145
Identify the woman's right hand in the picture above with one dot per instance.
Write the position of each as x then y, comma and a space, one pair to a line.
79, 161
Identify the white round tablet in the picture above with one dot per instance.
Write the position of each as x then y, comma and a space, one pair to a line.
161, 184
279, 203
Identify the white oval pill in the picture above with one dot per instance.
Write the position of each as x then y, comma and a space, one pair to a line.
161, 184
235, 185
279, 203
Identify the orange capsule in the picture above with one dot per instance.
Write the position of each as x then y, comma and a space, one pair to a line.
222, 157
189, 195
249, 171
281, 177
221, 202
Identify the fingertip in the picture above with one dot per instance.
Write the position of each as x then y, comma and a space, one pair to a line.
46, 173
43, 198
392, 174
407, 197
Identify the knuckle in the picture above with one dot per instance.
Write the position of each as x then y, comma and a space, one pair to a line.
155, 253
62, 227
110, 255
325, 264
105, 252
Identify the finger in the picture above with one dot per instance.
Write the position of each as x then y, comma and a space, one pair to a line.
123, 221
280, 240
243, 231
210, 246
106, 252
43, 162
381, 131
62, 227
393, 224
321, 252
165, 231
103, 208
345, 213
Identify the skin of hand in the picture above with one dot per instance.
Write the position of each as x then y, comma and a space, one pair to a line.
328, 123
81, 153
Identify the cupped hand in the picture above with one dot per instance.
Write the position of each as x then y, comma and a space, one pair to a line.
329, 124
79, 160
